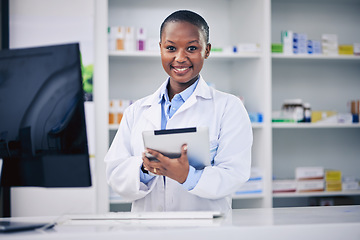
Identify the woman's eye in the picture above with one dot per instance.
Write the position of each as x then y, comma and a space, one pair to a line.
170, 48
192, 48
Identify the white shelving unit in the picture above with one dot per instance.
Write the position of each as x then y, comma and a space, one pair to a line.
263, 79
327, 82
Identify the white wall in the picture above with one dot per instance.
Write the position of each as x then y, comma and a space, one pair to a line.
44, 22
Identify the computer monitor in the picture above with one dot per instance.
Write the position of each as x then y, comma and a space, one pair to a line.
43, 139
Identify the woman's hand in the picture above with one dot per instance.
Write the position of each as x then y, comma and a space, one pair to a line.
174, 168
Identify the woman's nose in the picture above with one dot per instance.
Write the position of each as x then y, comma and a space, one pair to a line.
181, 56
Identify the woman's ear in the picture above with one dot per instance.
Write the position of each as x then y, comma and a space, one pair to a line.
207, 50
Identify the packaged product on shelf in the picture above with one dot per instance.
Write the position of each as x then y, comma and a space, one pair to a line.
329, 44
120, 38
116, 110
119, 110
314, 47
317, 47
333, 180
309, 173
299, 43
112, 38
141, 39
346, 49
323, 116
284, 185
307, 112
332, 186
310, 186
310, 47
294, 109
248, 48
287, 41
277, 48
350, 183
357, 49
355, 110
255, 117
350, 186
112, 112
344, 118
130, 39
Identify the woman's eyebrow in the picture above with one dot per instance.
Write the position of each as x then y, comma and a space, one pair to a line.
193, 41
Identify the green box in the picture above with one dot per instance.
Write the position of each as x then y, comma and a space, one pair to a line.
276, 48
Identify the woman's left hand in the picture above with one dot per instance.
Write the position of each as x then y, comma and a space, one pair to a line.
174, 168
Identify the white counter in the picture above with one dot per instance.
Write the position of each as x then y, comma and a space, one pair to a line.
342, 222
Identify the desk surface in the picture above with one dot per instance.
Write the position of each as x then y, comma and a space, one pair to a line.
341, 222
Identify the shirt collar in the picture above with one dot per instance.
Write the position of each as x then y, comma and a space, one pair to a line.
184, 94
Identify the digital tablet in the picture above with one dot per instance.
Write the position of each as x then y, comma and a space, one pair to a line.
169, 143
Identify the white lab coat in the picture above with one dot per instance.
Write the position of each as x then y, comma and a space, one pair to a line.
230, 140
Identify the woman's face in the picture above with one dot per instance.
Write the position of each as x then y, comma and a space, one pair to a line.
183, 50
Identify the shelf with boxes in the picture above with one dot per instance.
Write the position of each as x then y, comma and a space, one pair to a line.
316, 181
315, 57
317, 194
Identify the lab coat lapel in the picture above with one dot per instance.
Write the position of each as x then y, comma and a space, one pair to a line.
202, 90
153, 115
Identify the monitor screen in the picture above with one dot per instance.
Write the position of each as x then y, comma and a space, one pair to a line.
43, 139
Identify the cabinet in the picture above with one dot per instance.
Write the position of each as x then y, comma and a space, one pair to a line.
328, 83
262, 79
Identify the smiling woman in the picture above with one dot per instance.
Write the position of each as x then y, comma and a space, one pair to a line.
156, 182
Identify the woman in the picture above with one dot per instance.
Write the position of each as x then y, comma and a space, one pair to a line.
183, 100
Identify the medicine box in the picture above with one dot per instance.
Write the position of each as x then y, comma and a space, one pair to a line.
350, 185
284, 185
332, 175
287, 41
357, 49
331, 186
329, 44
346, 49
276, 48
248, 47
311, 186
309, 173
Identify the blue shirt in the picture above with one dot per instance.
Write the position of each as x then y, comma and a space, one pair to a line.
168, 109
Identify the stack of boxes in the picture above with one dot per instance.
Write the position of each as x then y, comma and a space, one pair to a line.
299, 43
333, 180
316, 179
329, 44
310, 179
